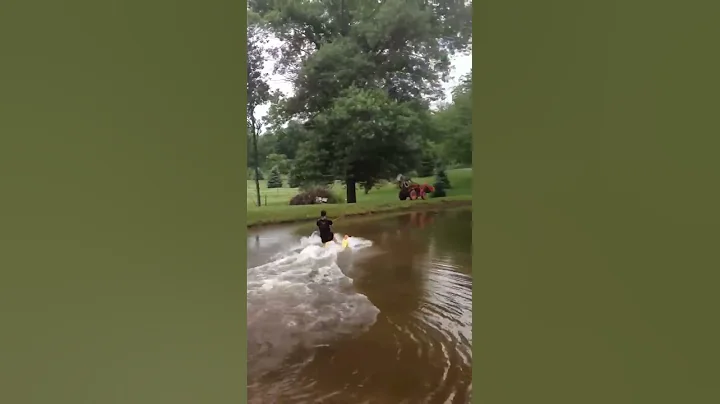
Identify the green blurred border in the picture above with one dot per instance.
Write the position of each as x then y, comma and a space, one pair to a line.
596, 215
122, 202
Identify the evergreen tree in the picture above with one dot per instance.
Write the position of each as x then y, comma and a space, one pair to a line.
441, 177
275, 180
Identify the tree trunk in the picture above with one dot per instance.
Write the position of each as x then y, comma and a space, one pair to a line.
351, 191
257, 160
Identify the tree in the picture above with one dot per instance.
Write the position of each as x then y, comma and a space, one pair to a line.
278, 160
369, 184
364, 137
442, 182
287, 139
275, 180
452, 124
402, 46
277, 145
258, 90
257, 176
265, 146
294, 181
439, 190
441, 177
427, 162
392, 53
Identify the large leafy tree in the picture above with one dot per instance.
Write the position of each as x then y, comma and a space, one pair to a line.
364, 136
390, 54
402, 46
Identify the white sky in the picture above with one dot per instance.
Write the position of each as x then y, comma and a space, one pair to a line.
461, 65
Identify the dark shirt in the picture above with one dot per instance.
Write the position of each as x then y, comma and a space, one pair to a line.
324, 226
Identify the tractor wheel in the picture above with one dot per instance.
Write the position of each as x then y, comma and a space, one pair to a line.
403, 195
422, 194
413, 195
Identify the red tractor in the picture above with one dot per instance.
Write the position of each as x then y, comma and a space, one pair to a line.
412, 190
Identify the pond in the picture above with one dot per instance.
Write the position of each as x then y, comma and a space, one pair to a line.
386, 320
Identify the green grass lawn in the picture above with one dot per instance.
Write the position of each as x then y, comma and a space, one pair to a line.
276, 208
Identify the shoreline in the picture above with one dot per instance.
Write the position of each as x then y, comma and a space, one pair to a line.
349, 210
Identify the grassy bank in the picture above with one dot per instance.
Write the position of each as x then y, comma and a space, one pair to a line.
381, 200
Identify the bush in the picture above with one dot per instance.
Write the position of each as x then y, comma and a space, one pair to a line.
309, 196
275, 180
441, 177
439, 191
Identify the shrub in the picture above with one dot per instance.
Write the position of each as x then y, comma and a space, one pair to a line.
310, 195
275, 180
441, 176
439, 190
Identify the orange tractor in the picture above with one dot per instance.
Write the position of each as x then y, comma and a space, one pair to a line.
412, 190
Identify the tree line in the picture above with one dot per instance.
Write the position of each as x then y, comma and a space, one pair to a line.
365, 78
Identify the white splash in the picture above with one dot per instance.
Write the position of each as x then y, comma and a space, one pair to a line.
302, 298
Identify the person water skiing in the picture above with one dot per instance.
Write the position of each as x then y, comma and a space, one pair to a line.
325, 228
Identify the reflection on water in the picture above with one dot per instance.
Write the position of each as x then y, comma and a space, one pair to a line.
388, 322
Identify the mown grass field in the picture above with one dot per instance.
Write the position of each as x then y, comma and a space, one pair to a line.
276, 208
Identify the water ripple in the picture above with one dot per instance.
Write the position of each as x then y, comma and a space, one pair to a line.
414, 352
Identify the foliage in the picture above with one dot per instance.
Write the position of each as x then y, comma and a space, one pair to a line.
329, 45
382, 198
258, 90
280, 161
452, 124
441, 177
363, 76
265, 147
368, 185
309, 196
364, 137
275, 180
282, 139
260, 176
427, 162
289, 139
294, 180
439, 191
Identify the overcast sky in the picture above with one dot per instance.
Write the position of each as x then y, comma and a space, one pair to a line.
461, 64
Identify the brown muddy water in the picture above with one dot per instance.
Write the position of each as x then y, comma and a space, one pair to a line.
388, 320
